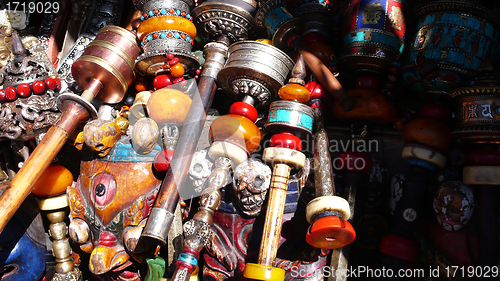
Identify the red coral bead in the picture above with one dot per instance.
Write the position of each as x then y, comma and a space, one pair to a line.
58, 84
2, 96
162, 81
316, 90
485, 158
23, 90
10, 93
38, 87
244, 109
170, 56
162, 160
287, 141
180, 80
51, 83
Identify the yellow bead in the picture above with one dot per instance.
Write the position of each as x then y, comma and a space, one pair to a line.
294, 92
166, 23
168, 106
267, 41
255, 271
236, 129
54, 181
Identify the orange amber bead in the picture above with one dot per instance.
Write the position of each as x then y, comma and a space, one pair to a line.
177, 70
166, 23
428, 132
54, 181
236, 129
294, 92
168, 106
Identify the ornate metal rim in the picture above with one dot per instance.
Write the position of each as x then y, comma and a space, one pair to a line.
476, 90
264, 10
152, 63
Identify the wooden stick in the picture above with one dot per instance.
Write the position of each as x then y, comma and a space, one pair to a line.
274, 215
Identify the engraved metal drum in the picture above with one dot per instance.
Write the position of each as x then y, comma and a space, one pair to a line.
278, 21
453, 40
256, 69
478, 113
373, 34
290, 115
110, 59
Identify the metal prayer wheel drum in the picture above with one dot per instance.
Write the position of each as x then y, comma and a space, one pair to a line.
290, 115
108, 59
453, 41
167, 27
234, 19
280, 24
373, 34
255, 69
478, 113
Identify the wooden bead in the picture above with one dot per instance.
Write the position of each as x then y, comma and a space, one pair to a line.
287, 141
399, 247
355, 161
372, 106
276, 155
368, 82
486, 158
144, 135
428, 132
237, 130
327, 203
255, 271
244, 109
168, 106
166, 23
294, 92
162, 81
162, 160
436, 111
177, 70
53, 181
330, 232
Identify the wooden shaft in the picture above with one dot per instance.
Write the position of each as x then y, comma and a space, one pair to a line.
274, 215
324, 75
39, 160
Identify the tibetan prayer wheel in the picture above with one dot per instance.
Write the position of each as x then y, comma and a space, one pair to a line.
254, 69
453, 40
166, 28
373, 34
104, 71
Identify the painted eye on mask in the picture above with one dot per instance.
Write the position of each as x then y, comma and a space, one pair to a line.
103, 189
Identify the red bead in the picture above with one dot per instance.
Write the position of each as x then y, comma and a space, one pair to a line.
198, 71
157, 12
145, 15
170, 56
244, 109
38, 87
399, 247
107, 239
393, 69
2, 96
435, 111
171, 11
368, 82
355, 161
196, 76
58, 84
316, 90
485, 158
313, 38
287, 141
10, 93
173, 61
51, 83
180, 80
330, 232
23, 90
162, 81
162, 160
155, 35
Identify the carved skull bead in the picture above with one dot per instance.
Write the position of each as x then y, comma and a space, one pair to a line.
454, 205
200, 169
251, 181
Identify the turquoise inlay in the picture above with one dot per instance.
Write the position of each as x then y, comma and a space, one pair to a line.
123, 152
291, 117
188, 259
276, 17
421, 163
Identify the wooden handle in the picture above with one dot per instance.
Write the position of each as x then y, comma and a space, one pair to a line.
324, 75
274, 215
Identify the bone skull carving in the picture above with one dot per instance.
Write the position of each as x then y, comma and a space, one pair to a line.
200, 169
454, 205
251, 181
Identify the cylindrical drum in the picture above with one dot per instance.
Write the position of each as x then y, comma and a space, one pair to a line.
290, 115
278, 21
256, 69
478, 113
373, 34
453, 40
167, 27
109, 59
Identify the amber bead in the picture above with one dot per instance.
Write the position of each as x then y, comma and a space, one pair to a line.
177, 70
236, 129
168, 106
53, 181
294, 92
166, 23
428, 132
